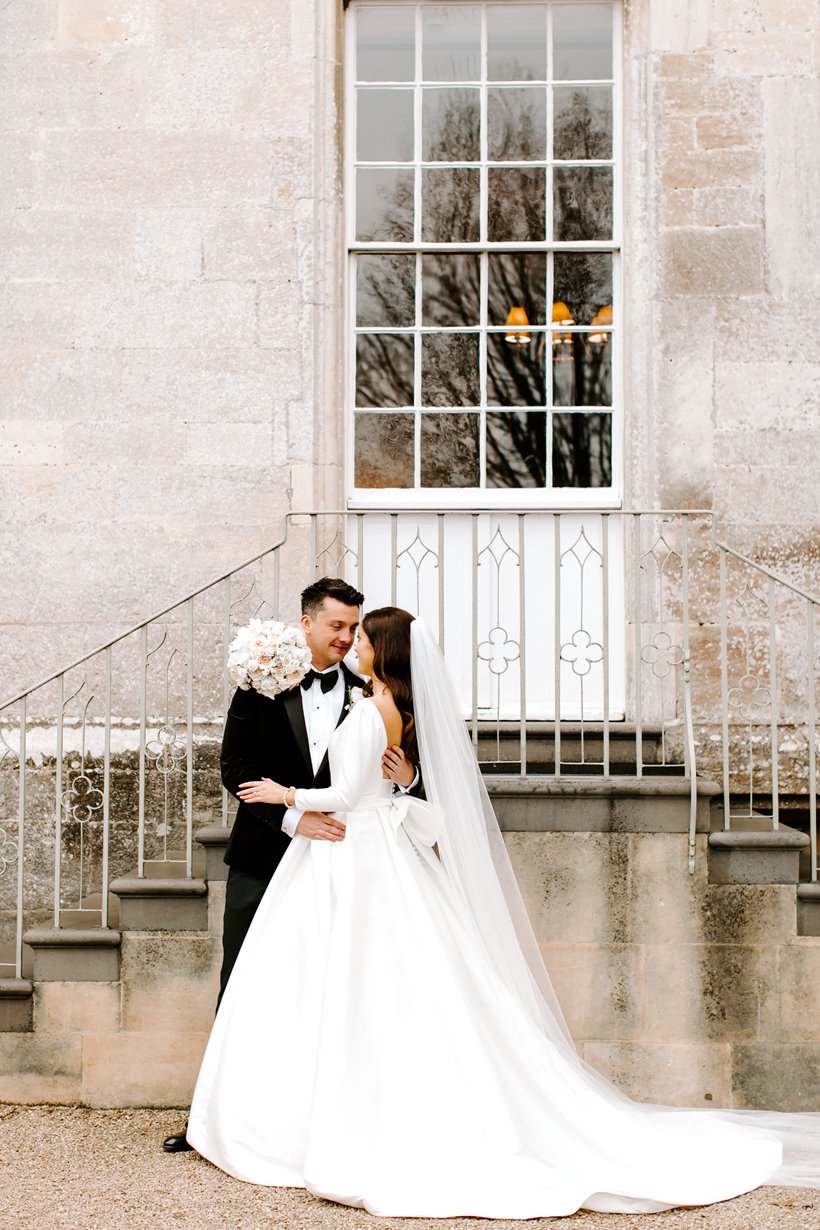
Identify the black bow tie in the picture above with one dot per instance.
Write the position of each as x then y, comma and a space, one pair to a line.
328, 681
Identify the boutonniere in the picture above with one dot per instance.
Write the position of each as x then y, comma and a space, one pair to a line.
354, 695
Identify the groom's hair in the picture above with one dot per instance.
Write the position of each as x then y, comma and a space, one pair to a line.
328, 587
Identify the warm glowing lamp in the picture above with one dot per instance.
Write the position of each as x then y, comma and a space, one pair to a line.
517, 321
601, 320
561, 315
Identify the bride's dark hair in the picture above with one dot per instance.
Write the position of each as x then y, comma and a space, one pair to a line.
388, 630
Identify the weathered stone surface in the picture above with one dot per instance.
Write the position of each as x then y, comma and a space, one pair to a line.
679, 27
156, 171
77, 1007
674, 1074
600, 988
799, 979
40, 1067
170, 983
776, 1075
714, 262
576, 885
220, 23
710, 992
792, 186
100, 23
140, 1069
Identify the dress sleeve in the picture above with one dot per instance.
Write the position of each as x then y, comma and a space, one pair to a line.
366, 740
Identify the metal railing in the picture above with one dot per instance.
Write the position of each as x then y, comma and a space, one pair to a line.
573, 639
768, 695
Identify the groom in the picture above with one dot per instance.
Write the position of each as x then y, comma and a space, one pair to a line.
285, 738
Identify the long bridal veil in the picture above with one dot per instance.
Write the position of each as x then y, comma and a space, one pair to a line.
473, 852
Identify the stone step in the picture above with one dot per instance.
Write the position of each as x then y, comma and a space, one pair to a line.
213, 838
808, 909
752, 852
161, 903
74, 954
15, 1005
582, 748
599, 805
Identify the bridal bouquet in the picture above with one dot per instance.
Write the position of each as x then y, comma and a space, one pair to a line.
269, 656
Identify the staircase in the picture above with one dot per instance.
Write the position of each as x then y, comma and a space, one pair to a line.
682, 943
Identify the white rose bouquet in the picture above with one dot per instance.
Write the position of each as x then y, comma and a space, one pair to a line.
268, 656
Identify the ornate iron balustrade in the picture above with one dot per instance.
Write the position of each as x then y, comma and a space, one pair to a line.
578, 640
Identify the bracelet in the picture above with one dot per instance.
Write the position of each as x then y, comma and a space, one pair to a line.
285, 797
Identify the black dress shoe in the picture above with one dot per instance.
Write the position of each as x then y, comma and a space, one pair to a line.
177, 1144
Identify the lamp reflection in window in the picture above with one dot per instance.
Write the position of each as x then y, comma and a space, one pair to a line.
601, 320
561, 342
517, 322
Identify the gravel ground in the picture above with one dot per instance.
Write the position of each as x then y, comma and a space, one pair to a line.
69, 1168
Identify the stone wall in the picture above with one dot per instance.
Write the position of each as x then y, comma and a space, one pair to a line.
679, 991
171, 269
169, 272
722, 281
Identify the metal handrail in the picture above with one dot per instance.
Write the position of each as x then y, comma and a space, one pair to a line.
766, 572
657, 661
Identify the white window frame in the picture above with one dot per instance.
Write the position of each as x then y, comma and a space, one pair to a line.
474, 497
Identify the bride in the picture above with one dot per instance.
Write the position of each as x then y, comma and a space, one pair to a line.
389, 1038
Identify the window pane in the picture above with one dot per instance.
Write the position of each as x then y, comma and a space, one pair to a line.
384, 125
384, 370
516, 450
583, 122
450, 290
515, 205
581, 42
449, 450
449, 369
517, 280
517, 42
582, 450
582, 370
449, 208
451, 43
515, 373
384, 450
385, 41
582, 203
450, 126
384, 204
583, 282
517, 125
385, 290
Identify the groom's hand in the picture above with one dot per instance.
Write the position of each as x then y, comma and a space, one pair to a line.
319, 827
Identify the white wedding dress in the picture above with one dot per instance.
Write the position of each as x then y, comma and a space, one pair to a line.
370, 1048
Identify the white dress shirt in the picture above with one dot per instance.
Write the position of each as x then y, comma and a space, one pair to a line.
322, 711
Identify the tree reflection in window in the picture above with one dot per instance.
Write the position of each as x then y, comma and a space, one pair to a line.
581, 450
489, 404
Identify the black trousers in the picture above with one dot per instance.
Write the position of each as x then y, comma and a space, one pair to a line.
242, 896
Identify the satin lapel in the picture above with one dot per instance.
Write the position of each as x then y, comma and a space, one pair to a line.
292, 700
350, 681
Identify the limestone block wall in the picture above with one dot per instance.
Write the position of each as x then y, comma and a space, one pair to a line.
169, 375
722, 285
680, 992
171, 275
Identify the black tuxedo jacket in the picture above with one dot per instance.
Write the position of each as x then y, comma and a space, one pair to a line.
267, 737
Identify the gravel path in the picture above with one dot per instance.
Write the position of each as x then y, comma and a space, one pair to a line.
69, 1168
